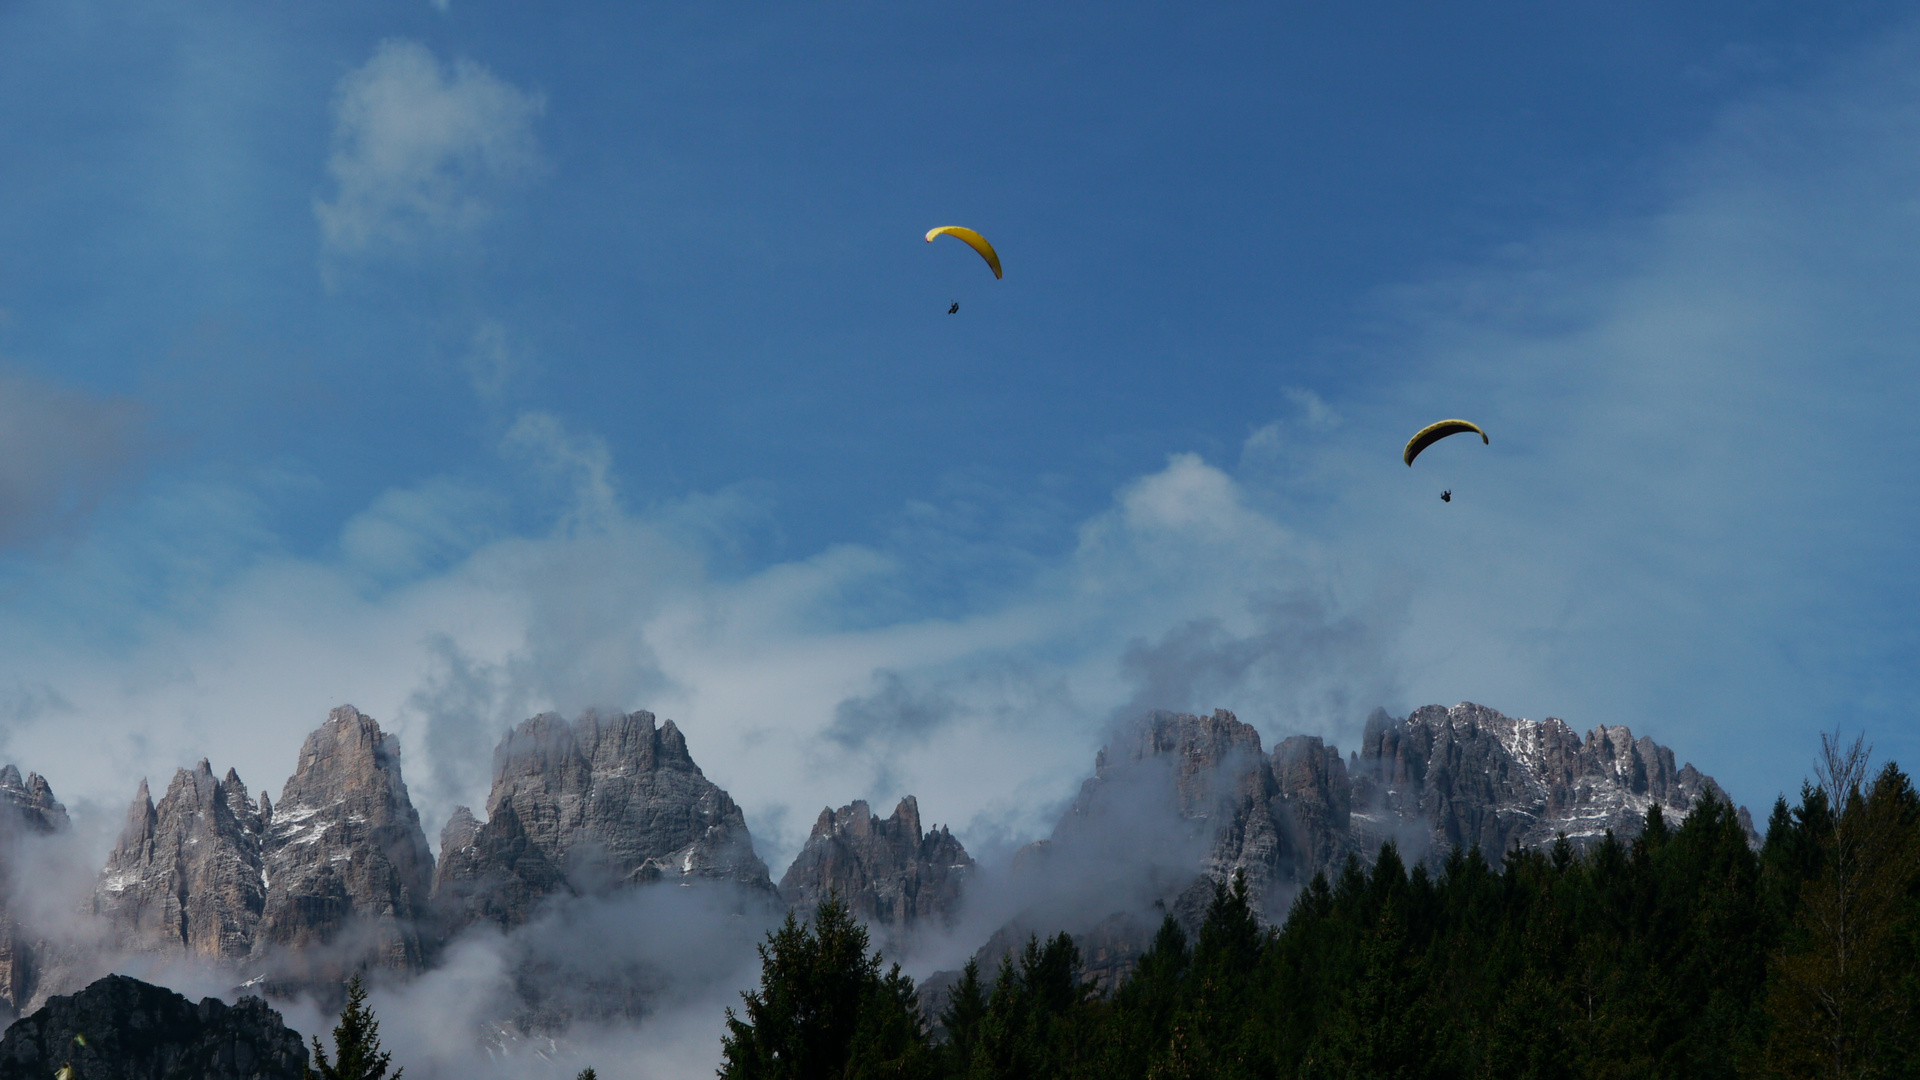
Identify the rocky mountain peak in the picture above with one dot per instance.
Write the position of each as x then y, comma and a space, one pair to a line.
344, 852
185, 876
29, 804
347, 758
893, 876
1209, 771
600, 802
28, 811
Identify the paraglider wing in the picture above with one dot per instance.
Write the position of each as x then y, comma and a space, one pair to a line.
973, 240
1433, 433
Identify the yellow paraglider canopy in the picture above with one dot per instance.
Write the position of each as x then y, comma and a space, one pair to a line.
1433, 433
973, 240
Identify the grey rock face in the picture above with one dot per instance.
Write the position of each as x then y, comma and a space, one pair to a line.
348, 875
137, 1031
893, 876
1313, 808
1470, 776
587, 806
186, 876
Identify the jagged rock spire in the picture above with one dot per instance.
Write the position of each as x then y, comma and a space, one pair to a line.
185, 877
893, 876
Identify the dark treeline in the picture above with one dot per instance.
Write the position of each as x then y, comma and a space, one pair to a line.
1684, 953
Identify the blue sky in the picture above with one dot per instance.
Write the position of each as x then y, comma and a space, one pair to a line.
465, 361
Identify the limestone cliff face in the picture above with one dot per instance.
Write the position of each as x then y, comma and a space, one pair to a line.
1314, 804
1177, 802
1470, 776
602, 802
186, 876
347, 872
892, 875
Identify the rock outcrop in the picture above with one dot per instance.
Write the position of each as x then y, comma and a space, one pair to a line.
137, 1031
893, 876
186, 876
1177, 802
348, 875
585, 807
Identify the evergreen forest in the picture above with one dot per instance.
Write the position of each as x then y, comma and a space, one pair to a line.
1685, 952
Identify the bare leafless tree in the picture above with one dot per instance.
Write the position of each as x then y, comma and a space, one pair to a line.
1833, 989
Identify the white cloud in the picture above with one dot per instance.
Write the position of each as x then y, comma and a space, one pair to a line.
422, 151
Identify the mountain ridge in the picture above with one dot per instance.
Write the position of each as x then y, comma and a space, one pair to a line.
337, 876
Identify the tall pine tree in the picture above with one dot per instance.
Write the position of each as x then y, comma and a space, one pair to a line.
824, 1009
356, 1044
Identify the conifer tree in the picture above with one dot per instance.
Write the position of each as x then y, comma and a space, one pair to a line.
824, 1009
1145, 1005
356, 1044
961, 1018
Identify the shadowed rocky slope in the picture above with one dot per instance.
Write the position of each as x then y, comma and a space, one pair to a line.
137, 1031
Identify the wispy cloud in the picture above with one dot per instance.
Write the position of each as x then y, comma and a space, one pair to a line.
421, 152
